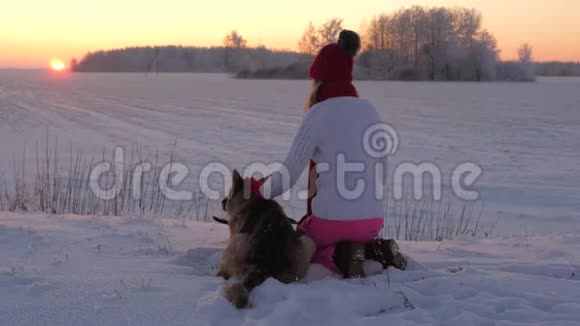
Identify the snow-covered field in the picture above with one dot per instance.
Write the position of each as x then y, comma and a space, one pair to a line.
71, 270
525, 136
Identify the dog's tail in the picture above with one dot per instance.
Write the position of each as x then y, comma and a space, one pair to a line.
239, 293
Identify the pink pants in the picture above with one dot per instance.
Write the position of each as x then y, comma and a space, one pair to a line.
327, 233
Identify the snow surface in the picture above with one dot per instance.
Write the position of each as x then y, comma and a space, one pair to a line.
526, 136
72, 270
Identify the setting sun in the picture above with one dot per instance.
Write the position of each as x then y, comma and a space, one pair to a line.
57, 65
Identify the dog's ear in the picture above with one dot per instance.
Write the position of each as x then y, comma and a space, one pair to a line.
237, 182
264, 179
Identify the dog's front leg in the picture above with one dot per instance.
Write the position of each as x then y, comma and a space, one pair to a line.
233, 260
222, 272
239, 293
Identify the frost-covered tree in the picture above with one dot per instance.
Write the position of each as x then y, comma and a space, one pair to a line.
329, 31
234, 40
525, 53
440, 37
485, 53
525, 59
375, 37
313, 38
430, 43
234, 56
418, 17
522, 69
400, 29
467, 25
309, 43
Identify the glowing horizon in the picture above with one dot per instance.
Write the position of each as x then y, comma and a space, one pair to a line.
33, 34
57, 65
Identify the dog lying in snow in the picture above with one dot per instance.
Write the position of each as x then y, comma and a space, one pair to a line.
262, 244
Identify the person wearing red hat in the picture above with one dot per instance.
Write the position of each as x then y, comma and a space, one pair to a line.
345, 228
332, 69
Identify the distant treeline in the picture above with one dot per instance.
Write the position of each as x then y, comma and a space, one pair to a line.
183, 59
558, 68
416, 43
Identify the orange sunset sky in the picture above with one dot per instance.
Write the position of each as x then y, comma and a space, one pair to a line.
32, 32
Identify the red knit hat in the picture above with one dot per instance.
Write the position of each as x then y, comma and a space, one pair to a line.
333, 66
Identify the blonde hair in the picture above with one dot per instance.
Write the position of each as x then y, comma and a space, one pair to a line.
313, 97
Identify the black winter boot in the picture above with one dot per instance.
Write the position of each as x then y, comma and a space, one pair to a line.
387, 253
349, 257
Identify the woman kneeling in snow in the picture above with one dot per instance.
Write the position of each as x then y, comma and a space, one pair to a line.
344, 223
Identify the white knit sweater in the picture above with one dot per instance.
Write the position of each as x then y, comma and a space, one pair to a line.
332, 132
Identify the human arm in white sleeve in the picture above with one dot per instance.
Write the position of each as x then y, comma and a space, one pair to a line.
303, 146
